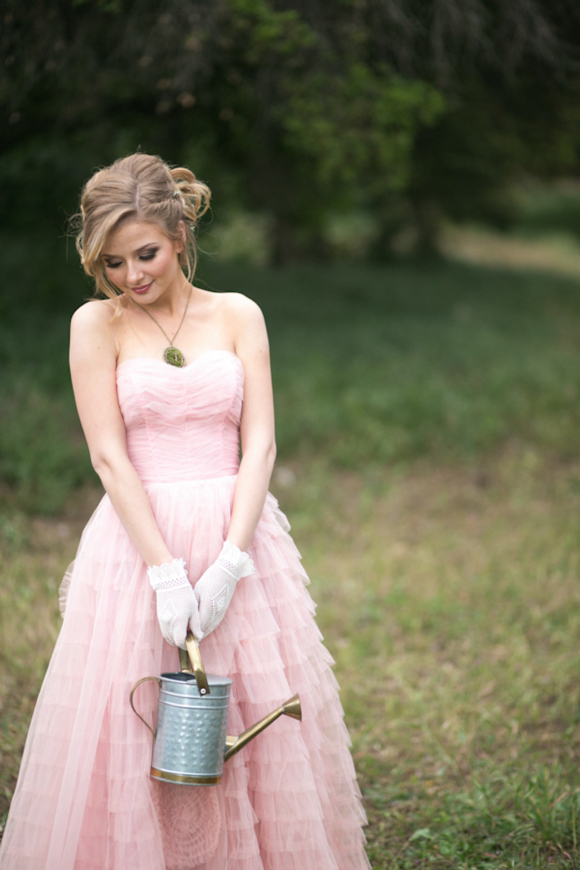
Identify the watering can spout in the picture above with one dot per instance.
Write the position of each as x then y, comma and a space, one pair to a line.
190, 743
289, 708
191, 663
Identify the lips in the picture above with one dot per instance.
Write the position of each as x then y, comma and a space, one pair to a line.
143, 288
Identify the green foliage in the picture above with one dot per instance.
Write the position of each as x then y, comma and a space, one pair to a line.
549, 210
43, 456
269, 33
357, 121
36, 461
277, 114
380, 107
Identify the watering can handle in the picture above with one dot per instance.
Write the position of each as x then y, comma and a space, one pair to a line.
196, 663
138, 683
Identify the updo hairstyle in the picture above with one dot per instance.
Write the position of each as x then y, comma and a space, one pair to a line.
140, 187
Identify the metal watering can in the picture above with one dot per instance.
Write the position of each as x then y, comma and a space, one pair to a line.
190, 744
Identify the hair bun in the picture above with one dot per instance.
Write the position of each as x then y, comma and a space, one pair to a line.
196, 195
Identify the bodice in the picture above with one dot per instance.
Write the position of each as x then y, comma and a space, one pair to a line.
182, 424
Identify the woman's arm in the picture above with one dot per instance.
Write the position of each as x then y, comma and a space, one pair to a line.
93, 358
216, 586
257, 424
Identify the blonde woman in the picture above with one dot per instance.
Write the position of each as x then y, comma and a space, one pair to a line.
169, 381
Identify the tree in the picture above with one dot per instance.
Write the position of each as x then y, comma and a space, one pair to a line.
298, 115
291, 107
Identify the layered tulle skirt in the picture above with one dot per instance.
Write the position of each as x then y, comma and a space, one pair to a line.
85, 800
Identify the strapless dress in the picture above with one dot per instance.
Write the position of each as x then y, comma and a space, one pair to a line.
84, 800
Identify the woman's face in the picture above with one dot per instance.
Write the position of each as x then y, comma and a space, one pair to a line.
142, 261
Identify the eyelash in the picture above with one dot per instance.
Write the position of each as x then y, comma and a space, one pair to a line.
148, 256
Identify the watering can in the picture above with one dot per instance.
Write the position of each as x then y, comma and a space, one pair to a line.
190, 744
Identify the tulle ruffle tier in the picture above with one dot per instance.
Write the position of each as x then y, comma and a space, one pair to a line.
85, 801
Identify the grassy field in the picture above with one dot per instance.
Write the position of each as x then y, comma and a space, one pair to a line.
428, 422
449, 599
371, 366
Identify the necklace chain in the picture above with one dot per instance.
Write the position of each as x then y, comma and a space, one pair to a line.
172, 355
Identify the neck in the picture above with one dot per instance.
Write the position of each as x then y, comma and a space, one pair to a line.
171, 304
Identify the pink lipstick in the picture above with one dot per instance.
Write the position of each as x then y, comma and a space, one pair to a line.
142, 289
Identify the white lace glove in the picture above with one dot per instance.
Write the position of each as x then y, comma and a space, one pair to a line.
215, 588
176, 602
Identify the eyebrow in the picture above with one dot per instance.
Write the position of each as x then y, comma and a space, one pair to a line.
137, 251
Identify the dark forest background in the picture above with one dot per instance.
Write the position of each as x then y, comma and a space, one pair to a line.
393, 114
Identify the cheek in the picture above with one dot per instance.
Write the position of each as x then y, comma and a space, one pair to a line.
166, 261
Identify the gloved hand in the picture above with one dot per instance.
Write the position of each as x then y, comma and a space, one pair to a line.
216, 586
176, 602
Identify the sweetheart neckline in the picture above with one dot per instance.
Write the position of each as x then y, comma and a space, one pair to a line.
189, 365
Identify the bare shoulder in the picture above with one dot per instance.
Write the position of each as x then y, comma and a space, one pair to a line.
237, 304
92, 332
95, 314
246, 326
239, 309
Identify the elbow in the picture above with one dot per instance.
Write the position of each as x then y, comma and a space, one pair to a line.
97, 461
101, 467
261, 454
269, 450
271, 453
269, 457
105, 467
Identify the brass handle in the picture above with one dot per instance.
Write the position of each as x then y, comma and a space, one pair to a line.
197, 664
137, 684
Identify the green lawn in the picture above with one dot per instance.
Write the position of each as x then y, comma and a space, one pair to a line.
371, 366
449, 597
427, 420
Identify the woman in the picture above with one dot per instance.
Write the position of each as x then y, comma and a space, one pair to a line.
168, 378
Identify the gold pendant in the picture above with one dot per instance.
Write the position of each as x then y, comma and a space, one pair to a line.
174, 357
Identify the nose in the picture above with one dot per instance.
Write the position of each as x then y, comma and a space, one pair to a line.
134, 272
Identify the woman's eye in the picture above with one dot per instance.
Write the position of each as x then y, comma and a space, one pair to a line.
114, 265
148, 256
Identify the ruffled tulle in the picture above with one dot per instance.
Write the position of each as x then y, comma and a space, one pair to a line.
84, 800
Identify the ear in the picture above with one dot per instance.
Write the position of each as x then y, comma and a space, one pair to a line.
180, 245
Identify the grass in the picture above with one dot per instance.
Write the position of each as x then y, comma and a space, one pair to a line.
428, 422
370, 366
449, 599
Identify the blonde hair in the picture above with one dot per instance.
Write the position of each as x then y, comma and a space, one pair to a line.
144, 188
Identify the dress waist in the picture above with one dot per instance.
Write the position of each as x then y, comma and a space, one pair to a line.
174, 465
214, 480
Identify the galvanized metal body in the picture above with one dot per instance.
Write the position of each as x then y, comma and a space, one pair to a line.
191, 730
190, 744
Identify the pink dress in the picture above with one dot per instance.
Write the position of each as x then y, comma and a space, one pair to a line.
84, 799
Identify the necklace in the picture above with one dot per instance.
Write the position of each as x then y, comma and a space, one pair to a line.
172, 355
